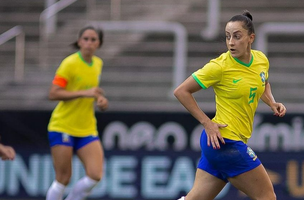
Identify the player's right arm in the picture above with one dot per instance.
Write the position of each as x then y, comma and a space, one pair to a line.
61, 94
64, 74
184, 94
58, 91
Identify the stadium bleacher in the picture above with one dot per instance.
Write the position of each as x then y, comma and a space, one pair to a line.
137, 74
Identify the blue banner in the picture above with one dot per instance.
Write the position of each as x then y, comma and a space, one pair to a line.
147, 155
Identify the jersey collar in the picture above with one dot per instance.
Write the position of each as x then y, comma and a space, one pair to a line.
89, 64
242, 63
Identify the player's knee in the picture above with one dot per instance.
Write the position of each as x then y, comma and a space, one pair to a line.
63, 178
95, 173
97, 176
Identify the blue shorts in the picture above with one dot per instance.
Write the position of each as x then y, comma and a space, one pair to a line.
232, 159
57, 138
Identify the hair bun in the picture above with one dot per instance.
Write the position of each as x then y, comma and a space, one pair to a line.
247, 14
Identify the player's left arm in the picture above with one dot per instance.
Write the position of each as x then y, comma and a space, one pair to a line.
278, 108
101, 101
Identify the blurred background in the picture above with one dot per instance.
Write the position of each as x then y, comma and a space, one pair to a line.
150, 46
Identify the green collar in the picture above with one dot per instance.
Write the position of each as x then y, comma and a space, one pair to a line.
245, 64
89, 64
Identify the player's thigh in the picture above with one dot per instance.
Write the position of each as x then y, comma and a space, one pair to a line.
91, 156
62, 160
255, 183
205, 187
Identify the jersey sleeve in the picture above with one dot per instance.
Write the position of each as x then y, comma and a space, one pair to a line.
263, 57
63, 74
60, 81
267, 69
208, 75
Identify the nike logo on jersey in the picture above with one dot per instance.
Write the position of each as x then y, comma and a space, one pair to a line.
236, 80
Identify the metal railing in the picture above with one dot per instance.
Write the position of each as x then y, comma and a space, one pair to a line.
48, 19
180, 40
17, 32
213, 20
275, 28
180, 33
47, 26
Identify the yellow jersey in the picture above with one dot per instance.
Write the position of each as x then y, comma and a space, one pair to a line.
77, 117
238, 87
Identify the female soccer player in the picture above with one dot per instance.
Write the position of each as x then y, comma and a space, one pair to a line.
72, 127
239, 78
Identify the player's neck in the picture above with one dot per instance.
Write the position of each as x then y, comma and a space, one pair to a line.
246, 58
86, 57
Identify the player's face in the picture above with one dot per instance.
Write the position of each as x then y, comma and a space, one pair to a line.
89, 41
238, 41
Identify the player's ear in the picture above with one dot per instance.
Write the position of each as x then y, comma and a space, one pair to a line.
252, 37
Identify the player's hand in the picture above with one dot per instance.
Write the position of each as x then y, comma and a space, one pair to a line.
93, 92
7, 152
102, 103
278, 109
214, 135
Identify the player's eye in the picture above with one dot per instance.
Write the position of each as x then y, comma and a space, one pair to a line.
87, 39
237, 37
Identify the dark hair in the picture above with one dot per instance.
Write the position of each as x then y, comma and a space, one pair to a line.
98, 31
246, 18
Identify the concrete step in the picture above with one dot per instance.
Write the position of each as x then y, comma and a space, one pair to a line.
137, 72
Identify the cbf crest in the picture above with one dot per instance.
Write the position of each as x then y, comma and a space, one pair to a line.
65, 137
251, 153
263, 77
